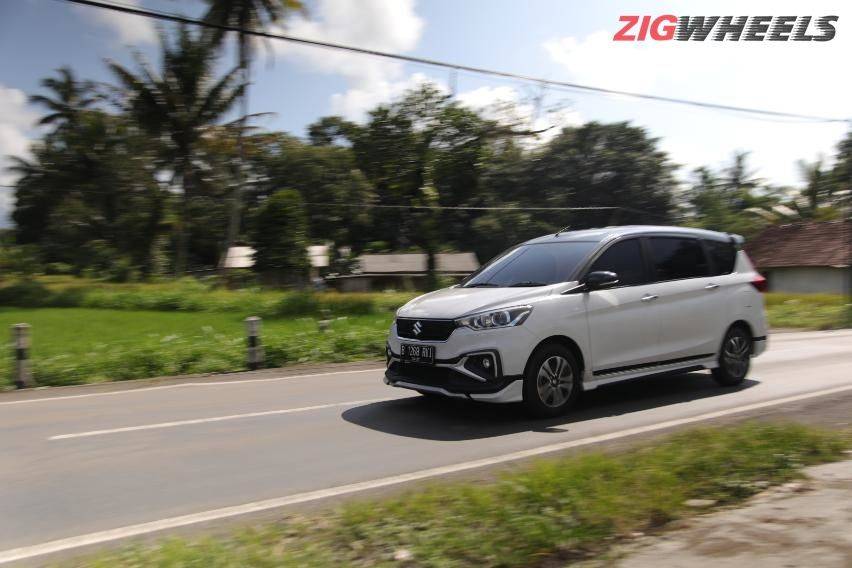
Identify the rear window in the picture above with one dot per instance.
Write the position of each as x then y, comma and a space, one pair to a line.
532, 265
676, 258
723, 256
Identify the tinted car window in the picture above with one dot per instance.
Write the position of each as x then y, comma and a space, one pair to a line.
723, 255
625, 259
533, 265
675, 258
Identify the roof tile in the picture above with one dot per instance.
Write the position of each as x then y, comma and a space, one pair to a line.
827, 243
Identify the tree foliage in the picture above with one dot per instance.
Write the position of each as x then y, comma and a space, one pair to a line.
143, 177
280, 236
178, 105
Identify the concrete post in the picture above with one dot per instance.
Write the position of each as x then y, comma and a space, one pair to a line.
325, 322
21, 341
255, 349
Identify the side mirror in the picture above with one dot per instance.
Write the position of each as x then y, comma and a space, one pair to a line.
600, 279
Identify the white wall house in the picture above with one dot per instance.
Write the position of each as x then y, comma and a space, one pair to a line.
403, 271
814, 257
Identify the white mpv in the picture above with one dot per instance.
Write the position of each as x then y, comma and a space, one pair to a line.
571, 311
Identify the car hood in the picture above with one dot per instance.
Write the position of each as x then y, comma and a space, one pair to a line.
449, 303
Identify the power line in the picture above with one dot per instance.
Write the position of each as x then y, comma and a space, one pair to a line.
447, 65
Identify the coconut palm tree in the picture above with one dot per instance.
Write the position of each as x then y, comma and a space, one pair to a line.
178, 104
244, 15
68, 98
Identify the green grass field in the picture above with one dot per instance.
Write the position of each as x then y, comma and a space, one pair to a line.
79, 345
545, 514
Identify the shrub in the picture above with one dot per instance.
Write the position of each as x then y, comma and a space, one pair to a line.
297, 304
25, 293
58, 268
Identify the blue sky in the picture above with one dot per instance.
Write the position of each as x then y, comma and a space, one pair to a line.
566, 40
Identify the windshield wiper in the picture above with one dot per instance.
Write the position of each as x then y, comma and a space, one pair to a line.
481, 285
526, 284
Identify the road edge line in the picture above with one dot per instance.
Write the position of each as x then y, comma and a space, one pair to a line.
213, 383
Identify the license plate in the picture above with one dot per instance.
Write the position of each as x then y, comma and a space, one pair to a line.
417, 353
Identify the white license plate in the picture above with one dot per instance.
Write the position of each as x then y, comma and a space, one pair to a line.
410, 353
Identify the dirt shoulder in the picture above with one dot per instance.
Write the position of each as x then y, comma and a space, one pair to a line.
797, 524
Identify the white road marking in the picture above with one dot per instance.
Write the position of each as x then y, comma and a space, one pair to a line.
60, 545
183, 385
177, 423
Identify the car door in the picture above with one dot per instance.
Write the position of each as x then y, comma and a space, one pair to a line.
622, 321
687, 305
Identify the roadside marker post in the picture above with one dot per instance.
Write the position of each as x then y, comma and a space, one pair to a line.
255, 349
21, 344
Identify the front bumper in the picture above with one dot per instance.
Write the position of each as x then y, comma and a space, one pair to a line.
449, 382
457, 371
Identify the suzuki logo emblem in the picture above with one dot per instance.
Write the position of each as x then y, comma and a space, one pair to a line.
417, 328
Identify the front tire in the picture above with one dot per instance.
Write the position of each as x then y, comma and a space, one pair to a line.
734, 357
552, 381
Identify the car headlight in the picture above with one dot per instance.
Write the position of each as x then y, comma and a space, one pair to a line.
508, 317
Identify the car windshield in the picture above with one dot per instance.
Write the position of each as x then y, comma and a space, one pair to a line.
532, 265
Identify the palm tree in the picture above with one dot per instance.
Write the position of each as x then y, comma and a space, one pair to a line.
69, 97
244, 15
817, 187
178, 105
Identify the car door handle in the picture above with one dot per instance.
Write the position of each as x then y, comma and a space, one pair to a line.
711, 286
649, 297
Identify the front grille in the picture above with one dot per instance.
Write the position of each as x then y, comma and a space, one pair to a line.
430, 329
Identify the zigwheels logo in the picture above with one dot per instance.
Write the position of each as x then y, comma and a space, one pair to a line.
726, 28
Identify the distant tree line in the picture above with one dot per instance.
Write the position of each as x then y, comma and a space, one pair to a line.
145, 176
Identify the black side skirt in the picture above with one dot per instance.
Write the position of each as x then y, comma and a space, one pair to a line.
613, 370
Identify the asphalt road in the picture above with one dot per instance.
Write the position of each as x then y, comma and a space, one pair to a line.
87, 465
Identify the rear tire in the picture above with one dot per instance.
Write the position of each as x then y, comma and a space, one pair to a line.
552, 381
734, 357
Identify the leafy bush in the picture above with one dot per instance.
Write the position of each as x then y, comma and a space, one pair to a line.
20, 260
298, 304
25, 293
55, 268
190, 295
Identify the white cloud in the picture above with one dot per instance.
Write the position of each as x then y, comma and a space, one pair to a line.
805, 78
384, 25
16, 119
130, 29
357, 100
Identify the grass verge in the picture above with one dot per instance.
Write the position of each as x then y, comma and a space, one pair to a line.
78, 345
547, 513
808, 311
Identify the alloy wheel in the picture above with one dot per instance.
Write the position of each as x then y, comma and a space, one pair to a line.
735, 354
555, 381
